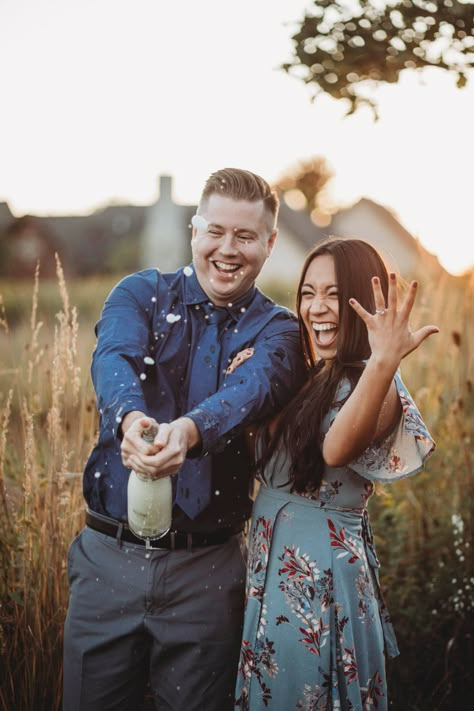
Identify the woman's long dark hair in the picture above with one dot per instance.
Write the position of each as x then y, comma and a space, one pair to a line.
299, 427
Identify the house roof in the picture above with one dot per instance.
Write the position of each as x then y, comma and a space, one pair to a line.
384, 214
301, 226
87, 240
6, 217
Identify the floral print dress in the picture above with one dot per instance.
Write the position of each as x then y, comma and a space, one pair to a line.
316, 630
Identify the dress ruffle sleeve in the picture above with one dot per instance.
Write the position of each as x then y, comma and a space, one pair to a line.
403, 452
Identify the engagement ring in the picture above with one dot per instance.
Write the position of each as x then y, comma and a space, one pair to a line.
380, 311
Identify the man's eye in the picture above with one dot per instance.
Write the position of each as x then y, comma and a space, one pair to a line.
214, 233
245, 237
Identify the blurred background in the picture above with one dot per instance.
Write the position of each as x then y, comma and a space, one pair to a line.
114, 113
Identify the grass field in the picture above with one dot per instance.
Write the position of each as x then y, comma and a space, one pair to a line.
423, 526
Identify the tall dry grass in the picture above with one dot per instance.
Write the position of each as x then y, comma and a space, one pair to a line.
423, 526
48, 425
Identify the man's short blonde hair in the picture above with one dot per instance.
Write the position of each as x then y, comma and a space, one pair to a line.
241, 184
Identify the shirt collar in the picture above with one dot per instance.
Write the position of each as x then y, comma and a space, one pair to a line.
194, 294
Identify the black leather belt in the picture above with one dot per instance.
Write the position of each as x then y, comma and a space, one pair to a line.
171, 541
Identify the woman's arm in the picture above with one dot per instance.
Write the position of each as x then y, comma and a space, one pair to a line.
370, 413
373, 408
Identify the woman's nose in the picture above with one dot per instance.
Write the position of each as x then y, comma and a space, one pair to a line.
318, 305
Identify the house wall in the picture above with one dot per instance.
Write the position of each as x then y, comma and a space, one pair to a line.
26, 246
364, 222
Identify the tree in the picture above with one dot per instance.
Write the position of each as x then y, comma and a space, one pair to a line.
310, 179
346, 48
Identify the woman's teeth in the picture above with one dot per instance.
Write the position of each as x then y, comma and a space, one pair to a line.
323, 326
324, 333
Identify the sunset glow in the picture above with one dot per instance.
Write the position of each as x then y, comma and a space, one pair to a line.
100, 98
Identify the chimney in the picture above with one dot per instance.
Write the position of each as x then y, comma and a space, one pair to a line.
165, 188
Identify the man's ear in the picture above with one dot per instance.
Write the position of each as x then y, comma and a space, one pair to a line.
271, 242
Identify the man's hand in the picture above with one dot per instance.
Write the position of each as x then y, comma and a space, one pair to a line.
134, 447
163, 457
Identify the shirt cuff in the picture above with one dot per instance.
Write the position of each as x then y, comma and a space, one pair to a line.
114, 414
208, 425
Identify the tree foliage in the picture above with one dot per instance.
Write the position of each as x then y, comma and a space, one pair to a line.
310, 177
346, 48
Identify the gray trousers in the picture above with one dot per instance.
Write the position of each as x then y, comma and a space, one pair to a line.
172, 619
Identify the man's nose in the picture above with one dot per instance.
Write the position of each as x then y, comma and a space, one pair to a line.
228, 244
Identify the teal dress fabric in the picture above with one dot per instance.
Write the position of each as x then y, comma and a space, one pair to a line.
316, 629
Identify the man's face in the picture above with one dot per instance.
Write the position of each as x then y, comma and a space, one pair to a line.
230, 246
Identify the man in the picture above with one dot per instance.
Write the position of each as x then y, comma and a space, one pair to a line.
169, 611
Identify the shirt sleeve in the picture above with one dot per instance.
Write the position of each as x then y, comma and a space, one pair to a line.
402, 453
258, 388
123, 345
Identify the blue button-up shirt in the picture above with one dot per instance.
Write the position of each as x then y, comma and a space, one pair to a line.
147, 334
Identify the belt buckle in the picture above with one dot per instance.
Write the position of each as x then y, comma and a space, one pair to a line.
150, 541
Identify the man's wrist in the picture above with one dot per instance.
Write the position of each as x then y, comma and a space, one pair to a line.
190, 431
129, 419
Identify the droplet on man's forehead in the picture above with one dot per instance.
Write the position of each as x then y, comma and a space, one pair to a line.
199, 223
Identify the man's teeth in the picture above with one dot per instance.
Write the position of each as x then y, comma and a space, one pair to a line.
226, 267
323, 326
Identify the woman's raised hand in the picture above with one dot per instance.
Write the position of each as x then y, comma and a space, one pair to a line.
390, 336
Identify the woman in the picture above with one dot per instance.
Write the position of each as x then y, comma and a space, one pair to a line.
316, 629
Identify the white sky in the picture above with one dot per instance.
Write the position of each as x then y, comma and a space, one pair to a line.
99, 97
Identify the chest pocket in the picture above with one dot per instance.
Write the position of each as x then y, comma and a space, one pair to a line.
171, 343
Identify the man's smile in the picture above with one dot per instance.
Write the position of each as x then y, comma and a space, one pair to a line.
225, 266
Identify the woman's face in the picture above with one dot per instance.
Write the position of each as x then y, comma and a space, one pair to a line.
319, 307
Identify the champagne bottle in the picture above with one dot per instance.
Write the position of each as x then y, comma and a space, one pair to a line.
149, 501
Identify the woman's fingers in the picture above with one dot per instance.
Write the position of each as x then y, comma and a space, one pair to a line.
420, 335
392, 297
388, 328
379, 298
408, 301
360, 311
